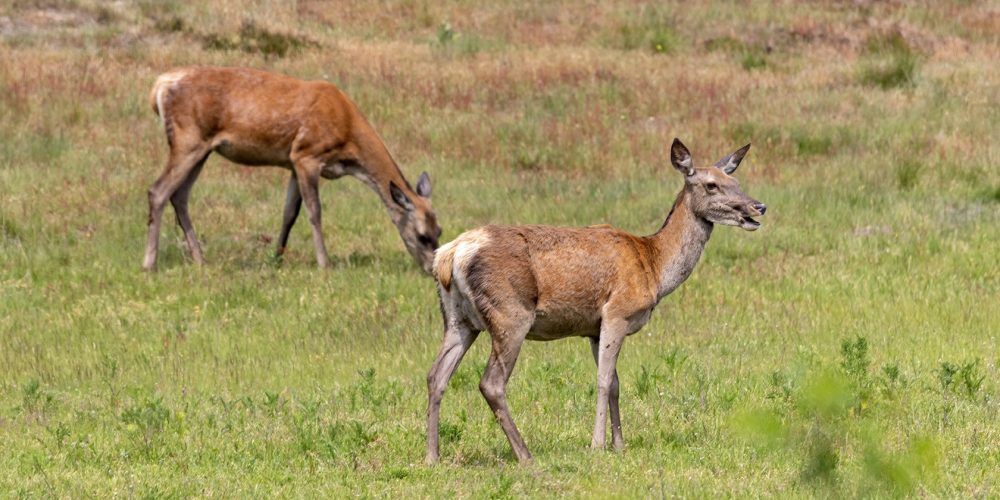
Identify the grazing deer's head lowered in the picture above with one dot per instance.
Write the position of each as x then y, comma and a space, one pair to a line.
547, 283
416, 222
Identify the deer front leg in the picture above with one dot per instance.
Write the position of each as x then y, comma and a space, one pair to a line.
616, 420
308, 181
293, 204
609, 345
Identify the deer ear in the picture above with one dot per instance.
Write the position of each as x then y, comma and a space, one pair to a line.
424, 185
729, 162
399, 196
680, 157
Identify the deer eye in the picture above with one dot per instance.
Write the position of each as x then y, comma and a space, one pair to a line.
712, 187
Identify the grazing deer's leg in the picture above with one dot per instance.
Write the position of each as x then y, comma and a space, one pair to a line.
609, 345
293, 203
506, 346
616, 420
180, 202
308, 180
457, 340
179, 167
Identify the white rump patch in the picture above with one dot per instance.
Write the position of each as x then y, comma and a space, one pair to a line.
163, 84
466, 247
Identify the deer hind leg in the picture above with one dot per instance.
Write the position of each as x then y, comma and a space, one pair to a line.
293, 204
180, 202
616, 419
506, 346
458, 338
180, 165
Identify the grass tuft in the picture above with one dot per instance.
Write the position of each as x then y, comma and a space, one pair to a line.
751, 56
888, 61
255, 39
908, 174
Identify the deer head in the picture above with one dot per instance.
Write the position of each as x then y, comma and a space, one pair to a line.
417, 225
713, 194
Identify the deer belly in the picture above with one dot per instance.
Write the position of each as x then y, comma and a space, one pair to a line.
558, 325
252, 154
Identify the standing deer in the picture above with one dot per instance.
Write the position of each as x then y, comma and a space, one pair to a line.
547, 283
257, 118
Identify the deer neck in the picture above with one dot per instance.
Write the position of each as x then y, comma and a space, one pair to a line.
378, 169
678, 245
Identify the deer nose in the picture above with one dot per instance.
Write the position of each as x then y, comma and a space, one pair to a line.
760, 207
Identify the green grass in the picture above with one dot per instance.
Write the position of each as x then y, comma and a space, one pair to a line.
848, 348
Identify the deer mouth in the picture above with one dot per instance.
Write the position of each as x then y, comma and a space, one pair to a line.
749, 223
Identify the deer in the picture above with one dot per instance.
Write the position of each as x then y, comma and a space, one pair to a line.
256, 118
544, 283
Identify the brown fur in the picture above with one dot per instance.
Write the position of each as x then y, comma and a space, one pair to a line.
547, 283
257, 118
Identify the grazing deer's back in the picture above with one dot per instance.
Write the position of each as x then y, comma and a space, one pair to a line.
251, 105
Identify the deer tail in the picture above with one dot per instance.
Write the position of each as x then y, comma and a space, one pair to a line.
444, 260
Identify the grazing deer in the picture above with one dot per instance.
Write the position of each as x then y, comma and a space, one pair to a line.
547, 283
257, 118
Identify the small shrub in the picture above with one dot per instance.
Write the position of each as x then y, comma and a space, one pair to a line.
741, 131
647, 381
8, 228
148, 417
648, 28
888, 61
171, 24
445, 33
450, 432
662, 41
854, 357
33, 398
255, 39
991, 194
347, 440
907, 174
781, 387
750, 55
675, 360
821, 459
811, 143
964, 379
891, 381
752, 60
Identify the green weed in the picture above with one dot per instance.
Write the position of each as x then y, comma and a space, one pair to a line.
888, 61
255, 39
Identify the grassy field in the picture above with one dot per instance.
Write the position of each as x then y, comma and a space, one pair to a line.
848, 348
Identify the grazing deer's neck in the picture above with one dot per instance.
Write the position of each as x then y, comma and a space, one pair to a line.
678, 245
378, 168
